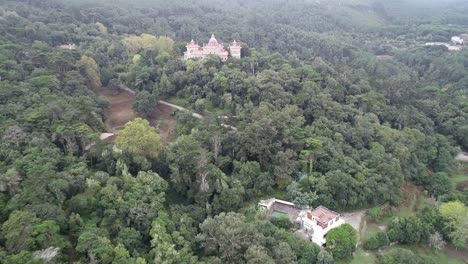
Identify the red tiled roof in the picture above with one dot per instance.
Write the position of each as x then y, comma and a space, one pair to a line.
323, 214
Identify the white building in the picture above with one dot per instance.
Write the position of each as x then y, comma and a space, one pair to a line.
457, 40
315, 223
318, 222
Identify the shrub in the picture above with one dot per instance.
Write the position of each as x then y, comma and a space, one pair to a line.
373, 214
377, 241
281, 222
403, 256
341, 242
407, 230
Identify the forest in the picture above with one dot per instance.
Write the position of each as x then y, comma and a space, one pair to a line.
336, 103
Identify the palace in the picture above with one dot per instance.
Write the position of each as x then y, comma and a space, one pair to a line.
194, 50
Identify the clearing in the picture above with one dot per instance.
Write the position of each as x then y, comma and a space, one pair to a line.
120, 108
163, 120
120, 111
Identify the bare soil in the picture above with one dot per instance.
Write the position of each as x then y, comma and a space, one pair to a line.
120, 108
462, 254
164, 121
354, 218
120, 111
408, 191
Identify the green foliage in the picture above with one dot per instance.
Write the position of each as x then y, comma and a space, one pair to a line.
21, 258
373, 214
314, 113
403, 256
95, 244
281, 222
341, 241
324, 257
228, 236
18, 231
144, 103
138, 138
91, 70
136, 44
376, 241
258, 255
410, 230
455, 214
47, 235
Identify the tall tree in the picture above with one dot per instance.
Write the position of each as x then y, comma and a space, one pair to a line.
342, 241
455, 215
140, 139
91, 71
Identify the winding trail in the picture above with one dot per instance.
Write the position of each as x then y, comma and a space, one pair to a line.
180, 108
112, 130
196, 115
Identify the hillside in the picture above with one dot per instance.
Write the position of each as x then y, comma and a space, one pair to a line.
337, 111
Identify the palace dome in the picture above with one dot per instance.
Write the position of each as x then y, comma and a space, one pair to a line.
213, 41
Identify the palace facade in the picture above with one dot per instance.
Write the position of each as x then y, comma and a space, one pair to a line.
195, 51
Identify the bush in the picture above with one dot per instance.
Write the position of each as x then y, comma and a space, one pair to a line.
403, 256
377, 241
281, 222
407, 230
373, 214
341, 242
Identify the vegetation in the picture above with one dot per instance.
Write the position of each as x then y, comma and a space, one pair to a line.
333, 103
341, 241
377, 241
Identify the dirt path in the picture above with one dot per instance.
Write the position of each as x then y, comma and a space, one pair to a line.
354, 218
198, 116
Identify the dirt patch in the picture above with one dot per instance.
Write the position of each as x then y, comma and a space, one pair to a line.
163, 120
382, 228
120, 111
354, 219
120, 108
410, 192
459, 253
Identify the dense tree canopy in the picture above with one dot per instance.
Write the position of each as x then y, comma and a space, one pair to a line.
334, 103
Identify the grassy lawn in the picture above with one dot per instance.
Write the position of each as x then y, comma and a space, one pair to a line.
368, 229
363, 257
461, 177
